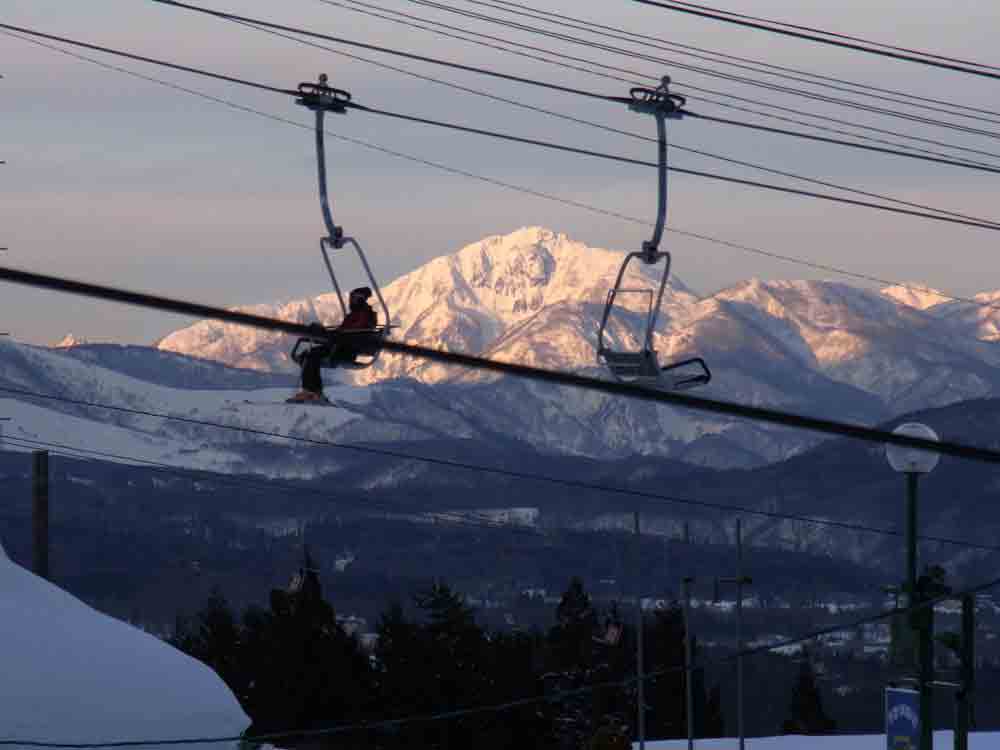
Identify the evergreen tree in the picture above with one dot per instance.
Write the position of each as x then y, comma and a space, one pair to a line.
216, 641
571, 639
805, 711
666, 716
306, 671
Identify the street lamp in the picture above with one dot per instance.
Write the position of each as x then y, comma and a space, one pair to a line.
913, 462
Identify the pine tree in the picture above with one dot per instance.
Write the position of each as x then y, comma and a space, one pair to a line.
215, 640
572, 637
805, 712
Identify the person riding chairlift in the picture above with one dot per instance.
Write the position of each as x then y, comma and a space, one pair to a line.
362, 318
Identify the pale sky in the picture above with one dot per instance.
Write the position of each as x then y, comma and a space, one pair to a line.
125, 182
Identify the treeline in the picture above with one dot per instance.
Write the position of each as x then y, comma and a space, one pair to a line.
295, 670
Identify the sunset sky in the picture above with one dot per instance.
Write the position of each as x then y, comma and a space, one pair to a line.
123, 181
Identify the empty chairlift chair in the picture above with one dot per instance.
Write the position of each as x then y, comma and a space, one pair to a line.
641, 366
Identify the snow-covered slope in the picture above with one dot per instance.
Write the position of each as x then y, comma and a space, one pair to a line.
536, 296
72, 674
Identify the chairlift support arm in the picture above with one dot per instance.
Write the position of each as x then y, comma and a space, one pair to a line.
322, 98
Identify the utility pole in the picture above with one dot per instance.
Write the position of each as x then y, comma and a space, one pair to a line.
640, 664
688, 658
965, 703
40, 513
740, 581
914, 463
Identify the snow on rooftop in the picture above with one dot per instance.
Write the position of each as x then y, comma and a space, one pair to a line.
72, 674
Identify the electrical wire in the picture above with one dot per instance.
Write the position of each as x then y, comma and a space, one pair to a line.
422, 58
565, 89
522, 189
465, 518
796, 74
823, 139
842, 36
607, 128
686, 85
654, 497
814, 96
528, 701
979, 223
935, 61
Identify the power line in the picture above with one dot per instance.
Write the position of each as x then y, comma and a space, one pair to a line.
151, 60
978, 223
522, 189
655, 497
826, 99
399, 53
470, 518
797, 74
936, 61
834, 141
505, 76
467, 361
612, 99
521, 702
686, 85
608, 128
842, 36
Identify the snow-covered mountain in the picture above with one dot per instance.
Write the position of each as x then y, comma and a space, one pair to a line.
535, 296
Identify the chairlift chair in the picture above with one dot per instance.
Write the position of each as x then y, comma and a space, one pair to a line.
642, 366
364, 345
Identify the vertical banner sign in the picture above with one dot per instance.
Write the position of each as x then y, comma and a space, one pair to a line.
902, 719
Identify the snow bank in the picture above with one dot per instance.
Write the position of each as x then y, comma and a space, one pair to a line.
942, 740
72, 674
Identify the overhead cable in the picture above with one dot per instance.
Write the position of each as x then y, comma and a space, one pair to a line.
685, 84
834, 141
606, 128
590, 94
979, 224
942, 216
449, 169
796, 74
471, 518
468, 361
679, 64
841, 36
923, 58
299, 489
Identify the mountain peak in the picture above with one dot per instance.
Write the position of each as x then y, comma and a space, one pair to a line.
69, 340
915, 295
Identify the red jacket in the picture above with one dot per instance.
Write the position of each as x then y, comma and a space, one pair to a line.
361, 318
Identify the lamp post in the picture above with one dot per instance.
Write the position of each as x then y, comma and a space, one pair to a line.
914, 462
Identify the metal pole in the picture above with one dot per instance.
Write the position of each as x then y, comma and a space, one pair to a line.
925, 657
739, 632
688, 687
911, 536
40, 513
640, 665
964, 697
927, 683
